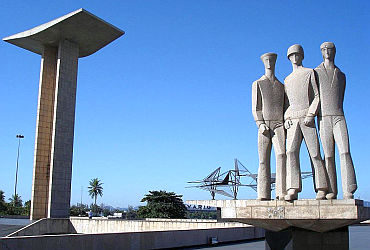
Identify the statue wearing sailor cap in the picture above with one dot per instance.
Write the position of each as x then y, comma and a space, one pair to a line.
268, 113
332, 124
302, 106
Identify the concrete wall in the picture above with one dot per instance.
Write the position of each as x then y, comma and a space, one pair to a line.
135, 240
82, 225
99, 225
183, 220
45, 226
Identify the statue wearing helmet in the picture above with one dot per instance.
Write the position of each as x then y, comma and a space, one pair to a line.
302, 102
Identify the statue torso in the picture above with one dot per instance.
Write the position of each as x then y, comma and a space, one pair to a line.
331, 88
272, 98
297, 86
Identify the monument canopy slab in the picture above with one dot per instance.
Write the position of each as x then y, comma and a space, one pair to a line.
81, 27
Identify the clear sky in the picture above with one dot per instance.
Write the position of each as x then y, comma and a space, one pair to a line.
170, 100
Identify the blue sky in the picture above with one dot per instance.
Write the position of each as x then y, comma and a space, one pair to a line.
170, 100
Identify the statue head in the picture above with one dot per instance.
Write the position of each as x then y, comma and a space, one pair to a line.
269, 60
295, 54
328, 50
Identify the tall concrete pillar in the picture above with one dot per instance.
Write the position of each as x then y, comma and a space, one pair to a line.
44, 131
60, 42
63, 130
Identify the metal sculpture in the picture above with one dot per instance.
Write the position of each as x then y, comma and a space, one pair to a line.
216, 182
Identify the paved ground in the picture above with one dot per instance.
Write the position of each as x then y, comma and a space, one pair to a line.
8, 226
359, 240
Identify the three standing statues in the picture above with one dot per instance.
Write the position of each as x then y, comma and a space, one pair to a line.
285, 115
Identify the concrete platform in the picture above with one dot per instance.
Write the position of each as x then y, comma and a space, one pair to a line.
99, 234
313, 215
81, 27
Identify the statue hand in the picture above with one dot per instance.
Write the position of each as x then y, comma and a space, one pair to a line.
263, 128
308, 121
288, 123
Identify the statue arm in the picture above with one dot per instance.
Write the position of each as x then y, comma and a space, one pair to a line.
312, 110
286, 105
287, 121
344, 86
257, 104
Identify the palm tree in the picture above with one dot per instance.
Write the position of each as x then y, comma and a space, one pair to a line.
95, 189
16, 200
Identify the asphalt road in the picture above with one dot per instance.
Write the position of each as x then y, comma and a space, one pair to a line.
8, 226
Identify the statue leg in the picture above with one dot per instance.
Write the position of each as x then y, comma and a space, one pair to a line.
278, 140
349, 183
327, 140
313, 147
264, 171
293, 172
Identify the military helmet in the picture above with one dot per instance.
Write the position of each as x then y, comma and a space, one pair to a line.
296, 48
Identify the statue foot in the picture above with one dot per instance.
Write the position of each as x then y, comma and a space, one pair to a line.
292, 195
347, 196
280, 198
263, 199
331, 196
320, 195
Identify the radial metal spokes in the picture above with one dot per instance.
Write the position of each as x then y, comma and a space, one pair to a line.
216, 181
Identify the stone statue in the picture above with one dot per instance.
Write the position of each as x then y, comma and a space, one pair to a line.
301, 108
332, 124
268, 112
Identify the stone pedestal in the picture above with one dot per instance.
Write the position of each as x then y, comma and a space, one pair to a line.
60, 43
302, 224
300, 239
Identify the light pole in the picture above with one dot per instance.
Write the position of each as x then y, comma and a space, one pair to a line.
16, 170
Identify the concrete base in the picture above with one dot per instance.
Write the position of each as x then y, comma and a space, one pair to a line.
101, 234
314, 215
300, 239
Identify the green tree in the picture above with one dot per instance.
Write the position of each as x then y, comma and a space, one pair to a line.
105, 210
201, 215
162, 204
74, 210
16, 201
3, 206
27, 207
78, 210
2, 196
95, 189
95, 208
131, 213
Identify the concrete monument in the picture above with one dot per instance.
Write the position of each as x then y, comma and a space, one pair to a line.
60, 43
268, 112
332, 124
302, 105
307, 223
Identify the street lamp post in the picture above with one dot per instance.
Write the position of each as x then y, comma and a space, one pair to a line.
16, 170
